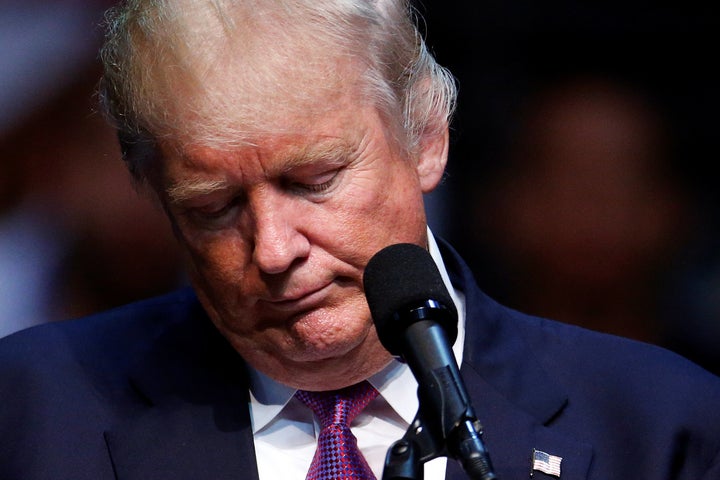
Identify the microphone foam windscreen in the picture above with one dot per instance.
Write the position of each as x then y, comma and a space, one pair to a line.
399, 278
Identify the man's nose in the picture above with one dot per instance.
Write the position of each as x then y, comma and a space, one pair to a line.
278, 240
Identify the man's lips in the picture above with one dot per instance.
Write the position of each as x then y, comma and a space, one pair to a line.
305, 300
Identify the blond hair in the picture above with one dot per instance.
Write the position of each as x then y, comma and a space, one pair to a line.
162, 59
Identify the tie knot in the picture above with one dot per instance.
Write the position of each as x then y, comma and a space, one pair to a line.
338, 407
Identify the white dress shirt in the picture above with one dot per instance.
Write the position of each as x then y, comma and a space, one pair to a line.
285, 430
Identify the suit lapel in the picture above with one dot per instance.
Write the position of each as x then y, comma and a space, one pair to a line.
515, 398
181, 442
193, 420
511, 433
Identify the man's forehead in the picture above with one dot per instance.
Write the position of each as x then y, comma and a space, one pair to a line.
291, 146
232, 109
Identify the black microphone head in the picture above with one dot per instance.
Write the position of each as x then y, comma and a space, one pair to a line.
401, 278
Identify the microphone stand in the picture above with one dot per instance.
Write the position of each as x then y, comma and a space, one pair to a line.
406, 457
445, 424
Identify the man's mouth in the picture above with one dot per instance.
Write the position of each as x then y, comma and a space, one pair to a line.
304, 300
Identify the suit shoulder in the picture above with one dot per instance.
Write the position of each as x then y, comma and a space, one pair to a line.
590, 360
101, 340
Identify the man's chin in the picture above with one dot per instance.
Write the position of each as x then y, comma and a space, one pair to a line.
315, 353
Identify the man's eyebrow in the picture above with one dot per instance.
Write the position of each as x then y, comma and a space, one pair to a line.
193, 187
187, 189
331, 150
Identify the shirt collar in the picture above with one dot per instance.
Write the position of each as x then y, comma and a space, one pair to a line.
396, 383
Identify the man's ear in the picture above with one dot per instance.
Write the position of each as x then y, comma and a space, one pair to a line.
432, 158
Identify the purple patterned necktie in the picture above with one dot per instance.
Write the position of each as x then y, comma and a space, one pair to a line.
337, 456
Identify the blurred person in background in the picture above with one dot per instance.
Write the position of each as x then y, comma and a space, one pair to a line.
589, 215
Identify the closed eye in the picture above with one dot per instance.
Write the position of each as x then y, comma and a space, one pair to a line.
214, 215
317, 184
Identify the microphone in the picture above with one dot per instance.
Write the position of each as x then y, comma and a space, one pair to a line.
416, 320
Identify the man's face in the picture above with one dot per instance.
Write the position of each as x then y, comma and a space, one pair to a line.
277, 236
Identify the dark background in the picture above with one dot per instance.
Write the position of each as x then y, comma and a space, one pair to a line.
583, 158
581, 181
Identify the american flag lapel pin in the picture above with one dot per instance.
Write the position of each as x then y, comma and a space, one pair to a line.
546, 463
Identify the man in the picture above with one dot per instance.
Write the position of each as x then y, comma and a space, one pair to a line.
288, 142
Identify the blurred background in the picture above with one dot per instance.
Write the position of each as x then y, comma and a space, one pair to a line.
75, 237
581, 183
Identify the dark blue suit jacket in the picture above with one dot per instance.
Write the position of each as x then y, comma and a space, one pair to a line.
151, 391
